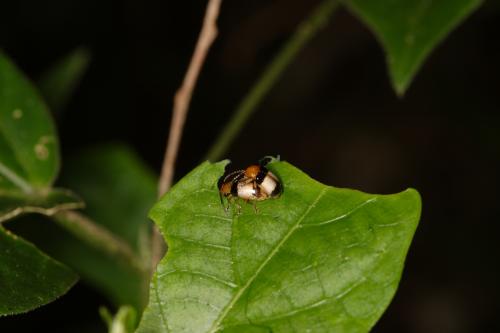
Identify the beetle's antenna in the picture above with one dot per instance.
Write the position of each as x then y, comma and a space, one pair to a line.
266, 159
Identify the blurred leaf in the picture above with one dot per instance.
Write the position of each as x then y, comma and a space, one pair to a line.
28, 278
125, 320
118, 190
13, 203
29, 155
29, 162
106, 316
410, 29
318, 259
60, 81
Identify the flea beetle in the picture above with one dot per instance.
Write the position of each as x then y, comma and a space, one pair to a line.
255, 183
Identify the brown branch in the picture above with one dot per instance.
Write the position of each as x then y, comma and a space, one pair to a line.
183, 95
181, 105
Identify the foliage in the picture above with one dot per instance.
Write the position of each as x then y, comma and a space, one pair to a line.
29, 162
318, 258
112, 253
28, 278
410, 29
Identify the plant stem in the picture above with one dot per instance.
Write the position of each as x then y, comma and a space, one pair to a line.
304, 32
100, 238
38, 210
183, 95
182, 99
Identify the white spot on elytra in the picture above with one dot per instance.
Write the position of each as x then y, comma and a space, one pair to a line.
41, 150
17, 114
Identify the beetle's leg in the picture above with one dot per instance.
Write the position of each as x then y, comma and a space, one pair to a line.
229, 200
255, 207
238, 206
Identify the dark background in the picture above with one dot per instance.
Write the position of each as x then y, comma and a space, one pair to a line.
333, 114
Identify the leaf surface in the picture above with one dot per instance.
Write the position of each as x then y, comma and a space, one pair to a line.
29, 153
410, 29
28, 277
317, 258
119, 190
29, 162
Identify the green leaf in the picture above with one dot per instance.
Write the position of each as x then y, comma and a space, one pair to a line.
318, 258
118, 190
29, 156
410, 29
29, 162
28, 278
59, 82
13, 203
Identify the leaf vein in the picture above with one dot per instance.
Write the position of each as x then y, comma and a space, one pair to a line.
335, 219
215, 326
317, 304
201, 274
202, 244
215, 217
160, 306
17, 180
195, 300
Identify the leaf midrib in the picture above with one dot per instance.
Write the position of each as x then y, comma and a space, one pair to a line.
11, 175
215, 326
39, 210
18, 181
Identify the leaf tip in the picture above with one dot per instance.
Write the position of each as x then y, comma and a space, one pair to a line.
400, 87
416, 199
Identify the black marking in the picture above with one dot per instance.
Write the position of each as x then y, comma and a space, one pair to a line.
277, 190
234, 188
264, 161
220, 182
261, 175
230, 177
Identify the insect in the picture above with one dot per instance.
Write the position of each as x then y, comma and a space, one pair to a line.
255, 183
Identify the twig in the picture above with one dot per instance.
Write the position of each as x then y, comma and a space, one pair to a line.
183, 95
305, 31
17, 211
181, 104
